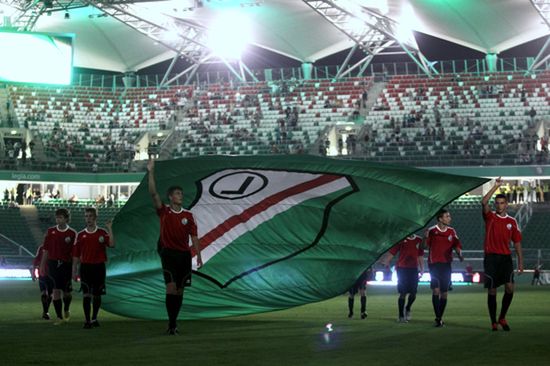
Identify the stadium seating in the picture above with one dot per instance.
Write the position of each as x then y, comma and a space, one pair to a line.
447, 120
537, 231
89, 126
487, 112
12, 224
318, 104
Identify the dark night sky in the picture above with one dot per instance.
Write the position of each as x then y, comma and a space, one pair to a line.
432, 47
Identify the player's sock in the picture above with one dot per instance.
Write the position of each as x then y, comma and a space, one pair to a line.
178, 302
400, 305
412, 297
492, 305
67, 302
363, 304
350, 306
58, 306
435, 303
45, 303
87, 305
96, 306
506, 301
171, 306
442, 304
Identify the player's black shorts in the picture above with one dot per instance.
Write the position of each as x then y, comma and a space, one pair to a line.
92, 278
440, 274
361, 282
499, 269
45, 284
176, 266
60, 272
407, 280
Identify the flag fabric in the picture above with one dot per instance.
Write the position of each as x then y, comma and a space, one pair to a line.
275, 231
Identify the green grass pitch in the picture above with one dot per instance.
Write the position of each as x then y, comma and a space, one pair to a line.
285, 338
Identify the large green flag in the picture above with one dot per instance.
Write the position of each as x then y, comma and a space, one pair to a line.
275, 231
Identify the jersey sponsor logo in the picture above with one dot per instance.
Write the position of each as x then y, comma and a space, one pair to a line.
184, 221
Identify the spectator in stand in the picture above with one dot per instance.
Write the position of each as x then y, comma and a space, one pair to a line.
364, 97
532, 115
28, 196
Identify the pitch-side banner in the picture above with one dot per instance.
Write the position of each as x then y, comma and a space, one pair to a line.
275, 232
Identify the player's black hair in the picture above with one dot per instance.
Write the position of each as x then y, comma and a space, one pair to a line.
172, 189
91, 210
501, 196
63, 212
440, 213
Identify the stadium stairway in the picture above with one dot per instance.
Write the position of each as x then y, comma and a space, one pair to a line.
374, 92
170, 144
38, 151
3, 110
30, 214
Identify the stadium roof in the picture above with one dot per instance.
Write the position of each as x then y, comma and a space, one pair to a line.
293, 29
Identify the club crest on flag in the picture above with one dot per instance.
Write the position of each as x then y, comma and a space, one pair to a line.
234, 206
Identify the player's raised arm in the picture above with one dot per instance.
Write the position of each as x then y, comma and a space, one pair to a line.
157, 202
487, 197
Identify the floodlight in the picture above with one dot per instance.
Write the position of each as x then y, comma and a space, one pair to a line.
229, 34
407, 21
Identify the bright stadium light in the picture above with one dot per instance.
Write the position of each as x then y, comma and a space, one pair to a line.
407, 21
229, 34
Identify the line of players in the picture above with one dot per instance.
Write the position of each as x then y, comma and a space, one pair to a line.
441, 240
67, 255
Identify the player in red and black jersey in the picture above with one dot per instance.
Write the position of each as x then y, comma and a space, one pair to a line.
56, 262
441, 240
500, 230
45, 283
90, 255
409, 265
177, 225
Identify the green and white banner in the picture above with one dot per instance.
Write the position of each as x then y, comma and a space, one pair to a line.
275, 232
